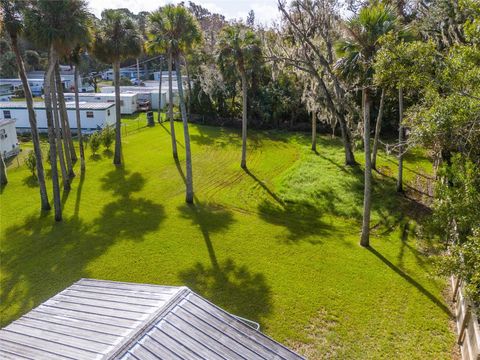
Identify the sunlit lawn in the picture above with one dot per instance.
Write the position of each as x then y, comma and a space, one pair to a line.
277, 244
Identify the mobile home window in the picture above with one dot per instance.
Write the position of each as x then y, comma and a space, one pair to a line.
89, 114
6, 114
108, 112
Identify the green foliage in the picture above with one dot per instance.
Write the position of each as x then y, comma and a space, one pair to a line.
32, 59
116, 37
405, 64
124, 81
61, 23
172, 28
457, 221
8, 65
108, 136
31, 163
238, 48
94, 141
358, 49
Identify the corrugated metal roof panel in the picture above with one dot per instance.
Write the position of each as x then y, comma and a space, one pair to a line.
94, 319
88, 320
193, 328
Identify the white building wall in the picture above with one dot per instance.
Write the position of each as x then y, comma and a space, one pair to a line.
101, 117
9, 145
128, 102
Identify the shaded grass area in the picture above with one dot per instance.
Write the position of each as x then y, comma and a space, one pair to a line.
277, 243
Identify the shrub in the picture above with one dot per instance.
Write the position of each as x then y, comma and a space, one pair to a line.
31, 163
94, 142
108, 136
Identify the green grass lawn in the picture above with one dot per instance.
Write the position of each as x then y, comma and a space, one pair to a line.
277, 244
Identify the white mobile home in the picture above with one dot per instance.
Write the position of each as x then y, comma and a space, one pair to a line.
128, 101
8, 138
143, 92
94, 116
149, 95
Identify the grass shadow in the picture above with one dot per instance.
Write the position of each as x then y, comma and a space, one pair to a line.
108, 153
232, 287
412, 281
31, 181
95, 157
59, 253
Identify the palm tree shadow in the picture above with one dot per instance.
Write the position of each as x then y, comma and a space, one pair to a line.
79, 194
60, 254
264, 187
232, 287
412, 281
170, 134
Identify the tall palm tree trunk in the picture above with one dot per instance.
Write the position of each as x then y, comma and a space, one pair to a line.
117, 157
378, 128
314, 131
367, 196
243, 163
189, 86
66, 134
79, 123
58, 136
64, 116
3, 171
170, 106
160, 92
188, 153
51, 134
32, 118
400, 141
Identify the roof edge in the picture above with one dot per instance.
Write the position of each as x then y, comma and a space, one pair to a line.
172, 302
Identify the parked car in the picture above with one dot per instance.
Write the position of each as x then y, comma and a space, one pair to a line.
144, 105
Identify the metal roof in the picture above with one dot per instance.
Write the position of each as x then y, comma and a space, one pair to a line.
85, 94
70, 105
98, 319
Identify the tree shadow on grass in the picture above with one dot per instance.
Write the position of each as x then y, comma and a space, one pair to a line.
107, 153
232, 287
210, 219
302, 220
31, 181
413, 282
40, 257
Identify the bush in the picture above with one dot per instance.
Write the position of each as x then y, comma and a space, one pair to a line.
108, 136
125, 81
31, 163
94, 142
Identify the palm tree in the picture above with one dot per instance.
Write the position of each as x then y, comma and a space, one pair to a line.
64, 129
75, 59
58, 135
239, 45
67, 134
55, 25
160, 41
13, 25
180, 33
116, 39
358, 52
378, 127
